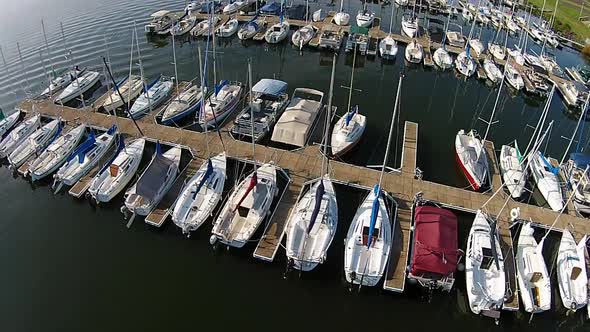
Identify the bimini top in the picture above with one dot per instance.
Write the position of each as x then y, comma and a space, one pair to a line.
581, 160
160, 13
151, 181
435, 242
294, 125
267, 86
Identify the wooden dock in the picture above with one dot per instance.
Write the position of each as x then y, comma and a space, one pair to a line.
511, 297
160, 214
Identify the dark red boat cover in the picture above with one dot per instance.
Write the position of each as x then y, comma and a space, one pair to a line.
435, 241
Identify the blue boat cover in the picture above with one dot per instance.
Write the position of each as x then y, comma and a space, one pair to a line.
581, 160
554, 170
267, 86
205, 178
272, 8
80, 152
374, 214
149, 86
319, 194
112, 130
351, 114
467, 49
57, 133
219, 86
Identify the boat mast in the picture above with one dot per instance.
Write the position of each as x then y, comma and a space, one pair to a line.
45, 71
6, 70
203, 101
141, 72
490, 122
175, 68
25, 73
395, 108
212, 28
328, 117
351, 79
582, 116
541, 122
71, 57
391, 20
445, 33
526, 37
251, 113
47, 48
472, 24
130, 70
106, 45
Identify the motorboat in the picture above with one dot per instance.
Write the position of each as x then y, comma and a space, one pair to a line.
187, 102
347, 132
484, 266
551, 39
34, 144
442, 58
303, 35
200, 195
571, 271
160, 23
228, 28
570, 93
365, 17
434, 248
246, 208
221, 104
388, 47
549, 63
516, 55
156, 94
296, 124
492, 72
512, 170
183, 26
233, 7
579, 180
129, 88
56, 153
368, 242
18, 135
116, 175
513, 77
205, 28
497, 51
476, 46
545, 176
539, 83
154, 182
78, 87
330, 38
341, 18
414, 52
472, 158
269, 100
357, 42
512, 26
277, 33
579, 74
537, 34
61, 81
85, 157
465, 64
8, 122
532, 60
312, 226
251, 28
531, 272
410, 25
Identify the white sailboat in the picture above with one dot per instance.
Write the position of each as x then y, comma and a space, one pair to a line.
365, 17
369, 238
34, 144
441, 56
545, 176
533, 278
183, 26
129, 89
342, 18
303, 35
157, 92
153, 183
115, 176
513, 172
312, 223
78, 87
84, 158
278, 32
56, 153
414, 52
8, 122
492, 72
472, 158
388, 45
18, 135
571, 272
484, 266
465, 64
410, 25
513, 77
228, 28
206, 28
249, 202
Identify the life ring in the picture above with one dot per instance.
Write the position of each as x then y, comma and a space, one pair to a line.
514, 213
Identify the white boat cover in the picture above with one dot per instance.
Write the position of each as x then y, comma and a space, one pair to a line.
294, 125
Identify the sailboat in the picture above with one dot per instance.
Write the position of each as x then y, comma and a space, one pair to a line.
187, 102
492, 72
571, 271
342, 18
278, 32
441, 56
303, 35
414, 52
513, 77
410, 24
233, 7
8, 122
365, 17
61, 81
484, 266
533, 278
249, 202
129, 88
388, 45
545, 176
313, 221
183, 26
35, 143
78, 87
228, 28
349, 129
154, 182
206, 28
512, 170
369, 238
84, 158
251, 28
114, 176
472, 158
18, 135
56, 153
154, 95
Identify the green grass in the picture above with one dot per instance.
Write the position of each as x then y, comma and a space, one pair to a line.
566, 19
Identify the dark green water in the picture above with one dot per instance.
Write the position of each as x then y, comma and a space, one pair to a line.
67, 266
